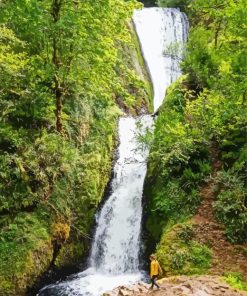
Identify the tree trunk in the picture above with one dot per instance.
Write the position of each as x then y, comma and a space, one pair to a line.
55, 12
58, 112
217, 31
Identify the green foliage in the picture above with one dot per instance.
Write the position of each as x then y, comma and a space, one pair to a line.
25, 240
69, 254
178, 163
230, 206
218, 61
171, 202
179, 254
66, 68
235, 280
201, 126
34, 158
185, 233
221, 115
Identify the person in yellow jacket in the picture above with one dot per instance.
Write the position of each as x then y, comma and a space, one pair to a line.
155, 270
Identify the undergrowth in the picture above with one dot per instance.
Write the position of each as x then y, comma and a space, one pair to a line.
179, 254
235, 280
200, 134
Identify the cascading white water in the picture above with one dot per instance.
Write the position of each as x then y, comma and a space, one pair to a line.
116, 245
162, 33
115, 250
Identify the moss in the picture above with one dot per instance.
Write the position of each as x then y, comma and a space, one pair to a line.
135, 94
27, 245
235, 280
58, 182
179, 254
69, 255
60, 232
97, 165
144, 73
7, 287
26, 252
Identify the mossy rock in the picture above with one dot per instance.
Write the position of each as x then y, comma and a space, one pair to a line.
60, 232
26, 270
179, 254
136, 95
70, 255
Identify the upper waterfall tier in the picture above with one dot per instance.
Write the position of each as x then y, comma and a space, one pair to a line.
162, 33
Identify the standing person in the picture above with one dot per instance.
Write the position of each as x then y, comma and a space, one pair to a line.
155, 269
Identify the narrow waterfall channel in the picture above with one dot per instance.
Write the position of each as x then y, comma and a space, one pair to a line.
114, 258
116, 243
162, 33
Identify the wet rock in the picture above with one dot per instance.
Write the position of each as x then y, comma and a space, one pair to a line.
124, 292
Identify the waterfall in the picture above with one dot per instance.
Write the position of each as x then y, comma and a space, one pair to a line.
162, 33
116, 244
114, 258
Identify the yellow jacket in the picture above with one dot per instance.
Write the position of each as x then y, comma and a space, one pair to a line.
155, 268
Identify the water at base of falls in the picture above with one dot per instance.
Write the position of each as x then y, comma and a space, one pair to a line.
90, 283
114, 258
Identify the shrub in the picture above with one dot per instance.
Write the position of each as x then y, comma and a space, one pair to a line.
230, 206
236, 280
179, 254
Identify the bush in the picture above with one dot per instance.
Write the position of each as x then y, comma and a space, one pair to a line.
235, 280
178, 163
179, 254
201, 130
230, 206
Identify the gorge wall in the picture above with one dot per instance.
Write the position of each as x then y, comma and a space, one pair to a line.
195, 189
69, 70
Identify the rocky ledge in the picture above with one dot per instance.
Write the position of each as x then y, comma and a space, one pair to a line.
180, 286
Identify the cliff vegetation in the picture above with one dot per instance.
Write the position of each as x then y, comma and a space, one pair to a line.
196, 184
68, 70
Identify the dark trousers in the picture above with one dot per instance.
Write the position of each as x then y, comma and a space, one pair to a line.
153, 281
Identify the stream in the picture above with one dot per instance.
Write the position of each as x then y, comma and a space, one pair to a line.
115, 252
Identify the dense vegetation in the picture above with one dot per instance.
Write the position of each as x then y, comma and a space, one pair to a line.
200, 137
66, 67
